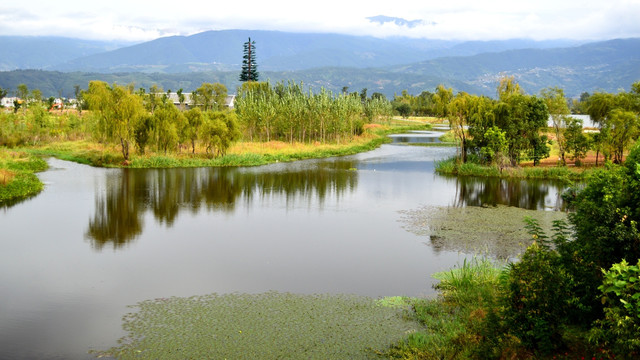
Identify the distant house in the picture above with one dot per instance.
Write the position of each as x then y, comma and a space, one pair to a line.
8, 101
173, 97
586, 121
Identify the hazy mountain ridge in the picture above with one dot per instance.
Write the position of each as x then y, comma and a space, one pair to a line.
43, 52
276, 51
607, 66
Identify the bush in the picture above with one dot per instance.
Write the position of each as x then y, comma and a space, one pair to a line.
535, 299
620, 327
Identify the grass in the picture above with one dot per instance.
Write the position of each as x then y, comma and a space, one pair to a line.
17, 176
244, 153
453, 167
262, 326
452, 320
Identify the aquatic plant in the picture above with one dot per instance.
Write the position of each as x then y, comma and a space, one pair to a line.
264, 326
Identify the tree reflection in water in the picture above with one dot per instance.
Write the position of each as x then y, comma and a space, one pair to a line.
118, 218
524, 194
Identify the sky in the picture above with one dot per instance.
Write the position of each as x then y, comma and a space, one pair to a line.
143, 20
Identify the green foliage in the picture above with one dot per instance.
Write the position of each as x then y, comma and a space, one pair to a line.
263, 326
535, 299
403, 109
452, 322
474, 282
575, 141
23, 183
288, 113
117, 111
219, 131
620, 326
249, 65
496, 146
558, 110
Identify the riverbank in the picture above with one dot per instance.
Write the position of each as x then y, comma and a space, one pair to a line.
18, 167
454, 168
17, 175
244, 153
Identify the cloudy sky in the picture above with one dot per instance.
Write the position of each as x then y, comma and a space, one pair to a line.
141, 20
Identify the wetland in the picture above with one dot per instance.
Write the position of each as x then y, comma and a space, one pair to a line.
363, 226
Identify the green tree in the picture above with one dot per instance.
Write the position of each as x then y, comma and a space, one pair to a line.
403, 109
219, 96
23, 92
577, 142
521, 116
181, 98
495, 146
219, 131
36, 96
78, 93
559, 110
118, 110
442, 98
194, 120
249, 66
3, 93
459, 112
167, 120
142, 132
624, 129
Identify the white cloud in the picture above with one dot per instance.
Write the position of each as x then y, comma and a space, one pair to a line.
461, 19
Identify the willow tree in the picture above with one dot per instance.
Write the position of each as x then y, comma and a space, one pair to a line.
118, 110
459, 111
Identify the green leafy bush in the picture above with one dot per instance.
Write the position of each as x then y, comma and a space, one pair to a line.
535, 299
620, 327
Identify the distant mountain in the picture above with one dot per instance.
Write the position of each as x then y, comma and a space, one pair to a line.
29, 52
607, 66
279, 51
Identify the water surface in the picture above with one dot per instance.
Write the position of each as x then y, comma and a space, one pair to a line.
97, 240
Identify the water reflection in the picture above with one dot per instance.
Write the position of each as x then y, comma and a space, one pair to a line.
130, 193
524, 194
417, 137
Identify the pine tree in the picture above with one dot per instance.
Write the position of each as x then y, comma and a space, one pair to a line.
249, 67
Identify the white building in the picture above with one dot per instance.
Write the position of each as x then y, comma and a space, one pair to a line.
7, 102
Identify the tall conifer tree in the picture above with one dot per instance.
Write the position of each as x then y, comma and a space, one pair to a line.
249, 66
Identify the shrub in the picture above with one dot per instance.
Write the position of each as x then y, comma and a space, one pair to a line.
535, 299
620, 326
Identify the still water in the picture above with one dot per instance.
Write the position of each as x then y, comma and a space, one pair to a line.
97, 240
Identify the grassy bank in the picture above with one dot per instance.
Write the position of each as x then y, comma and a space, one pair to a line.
17, 175
240, 154
453, 167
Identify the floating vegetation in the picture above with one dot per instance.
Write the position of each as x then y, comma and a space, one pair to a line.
499, 231
263, 326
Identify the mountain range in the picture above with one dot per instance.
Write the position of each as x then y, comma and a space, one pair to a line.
332, 61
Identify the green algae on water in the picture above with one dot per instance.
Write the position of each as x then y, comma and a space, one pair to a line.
499, 231
263, 326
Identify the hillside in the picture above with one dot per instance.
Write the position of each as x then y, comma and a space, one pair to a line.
222, 51
606, 66
30, 52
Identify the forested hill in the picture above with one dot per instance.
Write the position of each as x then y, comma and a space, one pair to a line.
222, 50
43, 52
607, 66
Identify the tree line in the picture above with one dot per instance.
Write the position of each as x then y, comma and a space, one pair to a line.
512, 127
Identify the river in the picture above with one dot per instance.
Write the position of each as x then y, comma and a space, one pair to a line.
98, 240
